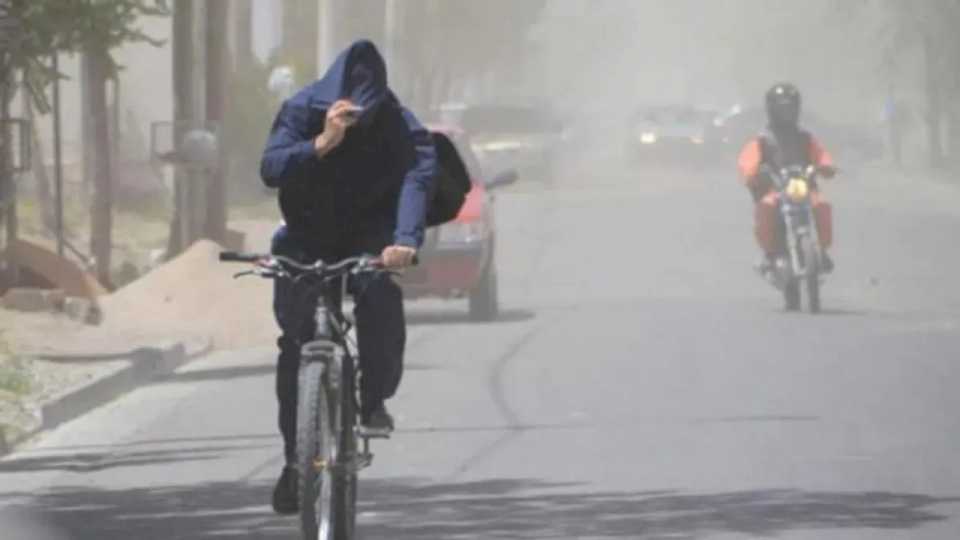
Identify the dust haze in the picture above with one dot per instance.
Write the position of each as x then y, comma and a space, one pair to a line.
600, 61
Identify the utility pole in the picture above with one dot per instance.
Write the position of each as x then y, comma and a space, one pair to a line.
217, 60
243, 33
183, 15
394, 19
325, 35
196, 188
190, 20
391, 26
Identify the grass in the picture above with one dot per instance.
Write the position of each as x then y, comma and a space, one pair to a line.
15, 382
14, 376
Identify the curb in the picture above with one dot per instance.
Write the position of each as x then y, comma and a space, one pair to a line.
144, 364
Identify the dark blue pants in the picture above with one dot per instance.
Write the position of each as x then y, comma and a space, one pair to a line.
381, 328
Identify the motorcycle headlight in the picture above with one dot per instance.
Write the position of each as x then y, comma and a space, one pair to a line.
798, 190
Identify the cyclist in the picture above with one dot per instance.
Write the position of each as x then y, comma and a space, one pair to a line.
353, 167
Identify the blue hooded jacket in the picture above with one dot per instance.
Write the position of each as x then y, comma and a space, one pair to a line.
380, 176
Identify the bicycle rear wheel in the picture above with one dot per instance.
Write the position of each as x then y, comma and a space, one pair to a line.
316, 454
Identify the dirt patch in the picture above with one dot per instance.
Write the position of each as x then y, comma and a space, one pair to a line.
191, 298
195, 295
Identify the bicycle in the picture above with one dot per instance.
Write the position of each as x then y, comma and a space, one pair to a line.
328, 432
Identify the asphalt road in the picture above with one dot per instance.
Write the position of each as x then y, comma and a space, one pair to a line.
641, 383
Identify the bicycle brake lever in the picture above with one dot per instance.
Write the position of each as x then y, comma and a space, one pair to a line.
239, 275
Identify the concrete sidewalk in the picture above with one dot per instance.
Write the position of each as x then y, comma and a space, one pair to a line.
75, 383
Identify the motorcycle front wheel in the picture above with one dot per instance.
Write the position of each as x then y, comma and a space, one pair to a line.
791, 295
811, 257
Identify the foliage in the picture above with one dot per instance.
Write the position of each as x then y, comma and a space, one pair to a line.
14, 377
92, 26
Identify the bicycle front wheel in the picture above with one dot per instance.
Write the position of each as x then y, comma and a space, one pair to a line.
316, 454
345, 483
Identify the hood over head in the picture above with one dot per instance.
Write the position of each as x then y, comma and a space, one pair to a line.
359, 74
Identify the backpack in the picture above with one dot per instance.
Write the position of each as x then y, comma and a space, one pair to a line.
451, 185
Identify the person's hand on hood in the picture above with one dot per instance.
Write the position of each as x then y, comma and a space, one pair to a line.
340, 116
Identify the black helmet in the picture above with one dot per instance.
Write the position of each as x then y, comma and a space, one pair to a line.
783, 106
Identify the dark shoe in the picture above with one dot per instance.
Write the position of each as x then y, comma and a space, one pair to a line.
285, 493
827, 263
377, 421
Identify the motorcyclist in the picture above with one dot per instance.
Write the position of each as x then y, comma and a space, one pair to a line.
354, 168
784, 143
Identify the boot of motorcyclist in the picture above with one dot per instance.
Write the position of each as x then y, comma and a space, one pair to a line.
784, 143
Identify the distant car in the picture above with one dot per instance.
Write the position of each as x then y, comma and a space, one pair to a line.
457, 259
736, 126
526, 138
669, 133
850, 144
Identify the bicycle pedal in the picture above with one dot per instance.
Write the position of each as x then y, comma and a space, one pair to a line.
372, 433
363, 461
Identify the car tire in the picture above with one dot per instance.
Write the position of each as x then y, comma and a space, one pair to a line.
484, 301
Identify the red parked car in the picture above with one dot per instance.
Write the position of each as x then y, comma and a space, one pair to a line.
457, 259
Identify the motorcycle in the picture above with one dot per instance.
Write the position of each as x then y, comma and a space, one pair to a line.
800, 264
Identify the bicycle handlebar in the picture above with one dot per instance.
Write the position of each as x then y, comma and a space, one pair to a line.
273, 266
233, 256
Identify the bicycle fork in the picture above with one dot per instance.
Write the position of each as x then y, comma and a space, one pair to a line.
338, 378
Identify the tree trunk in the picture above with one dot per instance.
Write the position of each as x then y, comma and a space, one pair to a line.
101, 207
8, 190
934, 102
37, 167
243, 30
